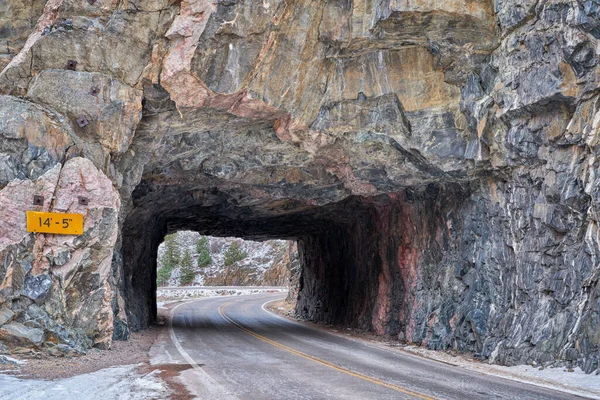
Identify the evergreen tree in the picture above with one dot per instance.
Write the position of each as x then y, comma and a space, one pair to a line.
204, 258
162, 276
187, 274
172, 255
234, 254
169, 260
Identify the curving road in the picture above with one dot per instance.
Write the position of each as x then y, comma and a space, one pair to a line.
239, 350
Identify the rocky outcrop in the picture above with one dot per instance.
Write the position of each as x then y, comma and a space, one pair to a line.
58, 290
267, 264
445, 268
17, 21
436, 161
285, 269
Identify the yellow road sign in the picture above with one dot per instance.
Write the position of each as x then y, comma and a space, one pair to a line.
60, 223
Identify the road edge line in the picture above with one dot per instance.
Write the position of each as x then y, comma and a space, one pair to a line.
207, 382
328, 364
263, 307
582, 392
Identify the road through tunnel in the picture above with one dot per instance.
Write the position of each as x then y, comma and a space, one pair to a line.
359, 257
394, 235
441, 181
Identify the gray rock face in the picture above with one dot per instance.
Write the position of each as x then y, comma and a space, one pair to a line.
5, 315
32, 142
437, 162
38, 281
37, 288
16, 333
18, 19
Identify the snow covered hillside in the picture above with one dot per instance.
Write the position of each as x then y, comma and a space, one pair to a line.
267, 263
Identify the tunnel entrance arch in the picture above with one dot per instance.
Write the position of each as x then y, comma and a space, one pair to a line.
356, 256
435, 163
221, 174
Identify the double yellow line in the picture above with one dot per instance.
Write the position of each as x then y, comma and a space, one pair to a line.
321, 361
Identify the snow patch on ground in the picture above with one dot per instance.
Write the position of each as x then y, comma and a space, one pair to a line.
4, 359
199, 292
576, 381
122, 383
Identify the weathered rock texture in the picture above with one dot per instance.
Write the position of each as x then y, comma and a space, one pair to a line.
437, 161
58, 290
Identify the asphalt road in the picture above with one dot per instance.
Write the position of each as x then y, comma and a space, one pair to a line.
239, 350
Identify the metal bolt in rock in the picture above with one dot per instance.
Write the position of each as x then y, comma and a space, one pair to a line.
82, 121
71, 65
83, 201
38, 200
94, 91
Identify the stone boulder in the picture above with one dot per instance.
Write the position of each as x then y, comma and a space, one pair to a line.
15, 333
68, 277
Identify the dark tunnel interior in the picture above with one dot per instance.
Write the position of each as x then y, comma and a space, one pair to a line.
350, 251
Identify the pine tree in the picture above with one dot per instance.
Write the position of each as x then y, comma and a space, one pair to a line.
187, 273
162, 276
204, 258
172, 255
234, 254
169, 260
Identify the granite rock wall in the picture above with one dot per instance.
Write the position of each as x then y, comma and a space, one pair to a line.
436, 161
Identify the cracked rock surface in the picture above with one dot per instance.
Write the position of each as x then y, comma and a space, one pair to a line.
437, 162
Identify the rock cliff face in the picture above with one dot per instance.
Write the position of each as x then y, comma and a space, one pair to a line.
437, 162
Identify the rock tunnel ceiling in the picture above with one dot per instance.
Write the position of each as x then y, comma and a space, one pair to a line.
436, 161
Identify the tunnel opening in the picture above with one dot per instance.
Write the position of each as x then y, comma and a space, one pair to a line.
364, 240
188, 259
358, 258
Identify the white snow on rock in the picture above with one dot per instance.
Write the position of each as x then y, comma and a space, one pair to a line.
172, 293
122, 383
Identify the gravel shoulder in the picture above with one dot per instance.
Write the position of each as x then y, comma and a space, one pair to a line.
43, 366
126, 366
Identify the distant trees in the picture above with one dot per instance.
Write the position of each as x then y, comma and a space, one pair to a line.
177, 253
204, 258
169, 260
234, 254
187, 273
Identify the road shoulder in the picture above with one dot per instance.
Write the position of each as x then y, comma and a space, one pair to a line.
574, 381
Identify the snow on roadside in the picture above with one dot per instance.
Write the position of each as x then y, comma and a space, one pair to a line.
122, 383
570, 380
4, 359
191, 292
576, 382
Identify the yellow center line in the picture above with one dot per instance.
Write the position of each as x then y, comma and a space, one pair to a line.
317, 360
